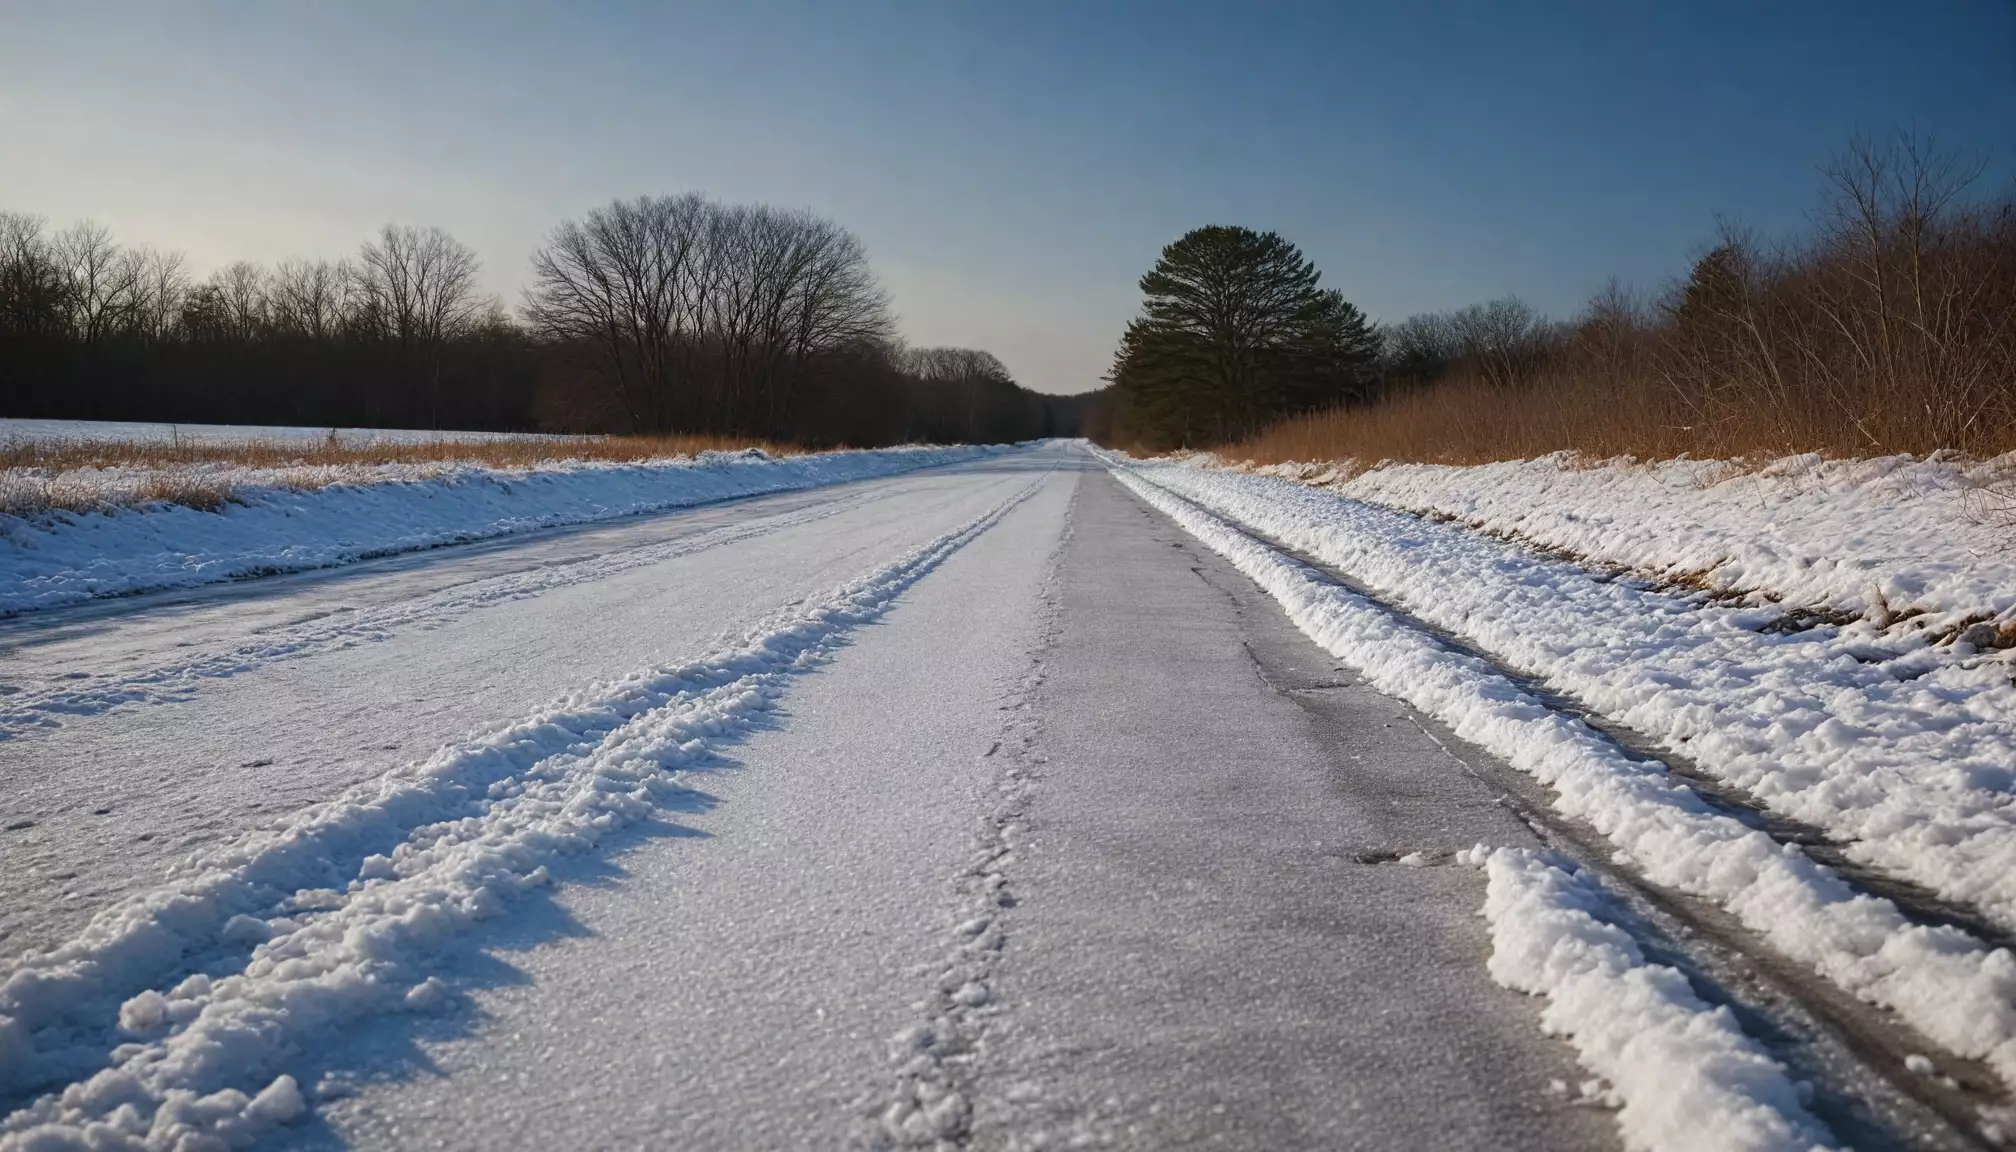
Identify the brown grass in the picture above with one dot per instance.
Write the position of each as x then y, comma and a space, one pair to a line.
1578, 406
1468, 421
1890, 329
38, 477
336, 450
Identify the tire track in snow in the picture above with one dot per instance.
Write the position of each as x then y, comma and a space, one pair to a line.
1939, 979
1920, 904
935, 1061
1899, 751
343, 909
1849, 1061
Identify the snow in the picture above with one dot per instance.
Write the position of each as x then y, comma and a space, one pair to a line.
357, 894
138, 432
1883, 537
201, 1011
377, 510
1939, 979
1202, 950
1900, 748
141, 730
1686, 1075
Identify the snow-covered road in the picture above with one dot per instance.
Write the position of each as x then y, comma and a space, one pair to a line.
995, 805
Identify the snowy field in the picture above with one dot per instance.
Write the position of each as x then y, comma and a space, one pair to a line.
1014, 798
134, 432
297, 518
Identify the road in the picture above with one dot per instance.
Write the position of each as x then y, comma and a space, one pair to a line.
1073, 841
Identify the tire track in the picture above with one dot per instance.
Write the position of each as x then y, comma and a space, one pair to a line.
1858, 1057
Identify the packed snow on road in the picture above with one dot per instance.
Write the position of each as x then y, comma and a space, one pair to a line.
1019, 797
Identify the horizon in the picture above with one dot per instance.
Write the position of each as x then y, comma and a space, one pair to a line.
1011, 174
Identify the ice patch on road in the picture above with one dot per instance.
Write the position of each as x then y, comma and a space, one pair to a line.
71, 558
1687, 1077
356, 896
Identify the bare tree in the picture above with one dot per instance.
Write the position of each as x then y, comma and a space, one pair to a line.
807, 291
1506, 338
685, 314
311, 298
1915, 301
960, 383
704, 315
241, 289
164, 288
1420, 348
418, 291
1609, 335
621, 282
33, 287
103, 282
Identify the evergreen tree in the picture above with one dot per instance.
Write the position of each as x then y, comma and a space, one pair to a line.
1235, 333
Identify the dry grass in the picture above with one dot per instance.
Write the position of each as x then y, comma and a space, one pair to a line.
1468, 421
38, 477
1579, 408
337, 450
1890, 329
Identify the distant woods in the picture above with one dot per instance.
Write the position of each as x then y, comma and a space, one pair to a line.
1889, 327
665, 315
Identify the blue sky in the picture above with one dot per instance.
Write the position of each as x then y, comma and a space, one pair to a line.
1013, 167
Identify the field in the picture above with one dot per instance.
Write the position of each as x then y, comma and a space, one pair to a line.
76, 466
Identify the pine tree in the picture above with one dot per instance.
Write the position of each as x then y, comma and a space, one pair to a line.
1234, 333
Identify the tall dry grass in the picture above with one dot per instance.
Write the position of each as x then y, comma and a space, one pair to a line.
1468, 420
38, 477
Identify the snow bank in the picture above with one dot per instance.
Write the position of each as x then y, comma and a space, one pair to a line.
142, 432
1902, 749
1938, 979
345, 908
401, 508
1686, 1076
1878, 537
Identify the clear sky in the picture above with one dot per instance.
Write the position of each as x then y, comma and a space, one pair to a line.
1012, 166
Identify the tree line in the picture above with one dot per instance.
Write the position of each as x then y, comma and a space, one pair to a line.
1889, 326
657, 315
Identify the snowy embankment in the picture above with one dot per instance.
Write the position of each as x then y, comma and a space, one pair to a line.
1882, 538
378, 510
1897, 748
144, 432
1680, 1069
179, 1018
